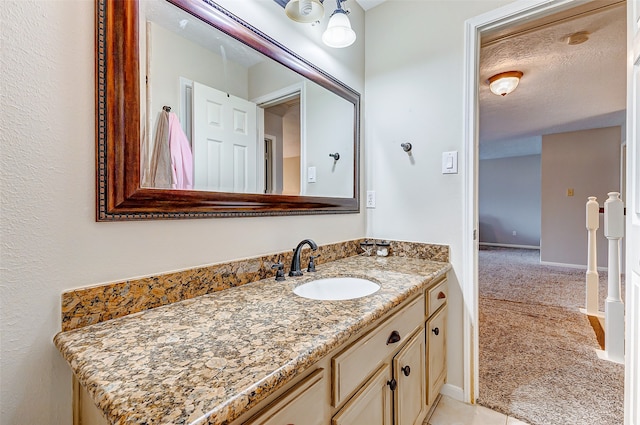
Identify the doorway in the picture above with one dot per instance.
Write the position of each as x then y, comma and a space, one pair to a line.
283, 142
512, 15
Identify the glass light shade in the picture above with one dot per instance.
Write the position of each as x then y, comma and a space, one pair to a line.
504, 83
304, 11
339, 33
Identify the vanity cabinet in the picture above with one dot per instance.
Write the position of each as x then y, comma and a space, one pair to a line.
351, 367
388, 374
396, 393
395, 372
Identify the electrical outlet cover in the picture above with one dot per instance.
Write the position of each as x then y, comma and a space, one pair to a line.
371, 198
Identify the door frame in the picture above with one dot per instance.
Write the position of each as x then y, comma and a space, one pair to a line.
278, 96
508, 15
632, 226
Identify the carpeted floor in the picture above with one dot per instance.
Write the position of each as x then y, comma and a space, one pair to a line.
537, 351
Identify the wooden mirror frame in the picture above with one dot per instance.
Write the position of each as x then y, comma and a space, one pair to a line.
118, 191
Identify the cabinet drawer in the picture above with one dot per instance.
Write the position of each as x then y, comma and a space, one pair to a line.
305, 403
436, 297
352, 366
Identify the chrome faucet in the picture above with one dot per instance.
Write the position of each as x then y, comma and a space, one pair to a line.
295, 262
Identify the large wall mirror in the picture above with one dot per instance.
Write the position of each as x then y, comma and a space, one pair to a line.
201, 115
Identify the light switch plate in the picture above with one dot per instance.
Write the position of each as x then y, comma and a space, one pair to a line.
311, 175
450, 162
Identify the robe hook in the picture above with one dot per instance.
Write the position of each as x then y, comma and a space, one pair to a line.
335, 156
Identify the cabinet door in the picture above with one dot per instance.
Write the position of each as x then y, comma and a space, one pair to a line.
436, 353
409, 372
371, 405
307, 403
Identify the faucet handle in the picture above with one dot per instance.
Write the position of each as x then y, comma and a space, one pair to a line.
280, 272
312, 264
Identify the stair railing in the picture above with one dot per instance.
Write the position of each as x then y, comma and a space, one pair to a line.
614, 308
593, 223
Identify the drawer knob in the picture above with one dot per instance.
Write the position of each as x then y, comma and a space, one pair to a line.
406, 370
393, 338
441, 295
436, 331
392, 384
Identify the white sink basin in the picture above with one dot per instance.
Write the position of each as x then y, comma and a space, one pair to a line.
336, 288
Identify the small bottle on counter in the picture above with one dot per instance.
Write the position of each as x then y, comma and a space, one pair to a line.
382, 248
367, 247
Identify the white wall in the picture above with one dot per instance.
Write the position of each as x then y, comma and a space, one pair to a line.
509, 200
173, 56
50, 241
329, 129
268, 77
414, 94
588, 162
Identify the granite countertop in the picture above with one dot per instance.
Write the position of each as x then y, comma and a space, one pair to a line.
209, 359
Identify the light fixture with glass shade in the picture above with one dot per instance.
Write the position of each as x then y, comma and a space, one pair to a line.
339, 33
305, 11
504, 83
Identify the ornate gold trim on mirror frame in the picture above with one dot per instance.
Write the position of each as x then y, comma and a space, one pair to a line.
119, 195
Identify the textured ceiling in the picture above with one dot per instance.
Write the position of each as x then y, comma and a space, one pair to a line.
564, 87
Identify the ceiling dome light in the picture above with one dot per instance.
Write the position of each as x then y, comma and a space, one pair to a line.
339, 33
504, 83
304, 11
577, 38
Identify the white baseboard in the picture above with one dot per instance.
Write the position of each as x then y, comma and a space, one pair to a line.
452, 391
603, 355
571, 266
599, 314
508, 245
545, 263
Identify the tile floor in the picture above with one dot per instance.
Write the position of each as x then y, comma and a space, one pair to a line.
452, 412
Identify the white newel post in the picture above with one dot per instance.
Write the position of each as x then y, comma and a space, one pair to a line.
593, 223
614, 309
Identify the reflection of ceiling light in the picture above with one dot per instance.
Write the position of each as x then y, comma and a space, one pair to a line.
504, 83
339, 33
577, 38
304, 11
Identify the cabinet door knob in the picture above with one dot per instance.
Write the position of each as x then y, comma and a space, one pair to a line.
406, 370
393, 338
441, 295
392, 384
436, 331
